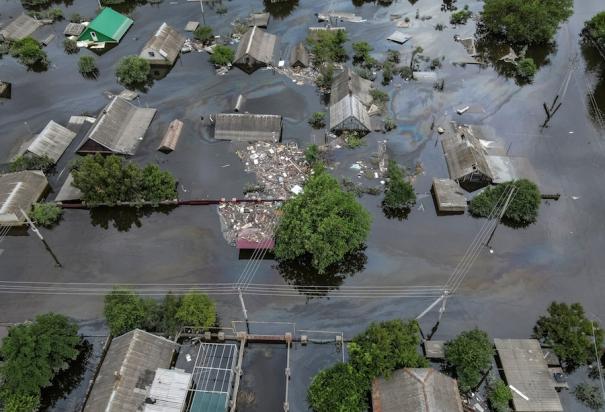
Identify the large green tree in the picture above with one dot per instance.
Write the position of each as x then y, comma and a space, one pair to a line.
124, 311
570, 334
338, 389
29, 52
196, 309
522, 210
525, 21
327, 46
133, 71
596, 27
324, 222
470, 354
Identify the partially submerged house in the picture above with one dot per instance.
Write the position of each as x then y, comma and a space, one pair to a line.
347, 83
256, 49
245, 127
20, 28
108, 27
300, 56
128, 372
164, 46
68, 192
19, 191
414, 390
349, 98
449, 196
526, 372
119, 129
399, 37
52, 141
259, 20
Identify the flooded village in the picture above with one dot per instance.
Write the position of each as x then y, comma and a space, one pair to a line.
301, 206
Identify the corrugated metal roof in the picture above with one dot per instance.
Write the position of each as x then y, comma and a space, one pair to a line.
168, 391
255, 47
464, 154
399, 37
128, 370
165, 44
19, 190
348, 82
349, 114
121, 126
20, 28
111, 23
74, 29
52, 141
413, 390
248, 127
300, 56
525, 369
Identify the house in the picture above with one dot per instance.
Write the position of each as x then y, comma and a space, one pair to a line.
52, 141
68, 192
108, 27
248, 127
527, 374
255, 50
347, 83
300, 56
259, 20
20, 28
119, 129
164, 46
19, 191
349, 114
414, 390
399, 37
128, 371
449, 197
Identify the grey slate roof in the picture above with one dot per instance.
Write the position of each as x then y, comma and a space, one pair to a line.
52, 141
248, 127
349, 114
258, 45
525, 369
348, 82
414, 390
74, 29
68, 192
128, 371
19, 190
120, 127
165, 44
20, 28
299, 56
464, 153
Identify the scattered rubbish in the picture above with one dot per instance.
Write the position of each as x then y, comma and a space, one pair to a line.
296, 189
48, 39
510, 57
281, 63
356, 166
463, 110
402, 24
340, 15
188, 357
571, 132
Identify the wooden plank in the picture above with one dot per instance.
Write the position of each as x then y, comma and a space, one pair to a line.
171, 138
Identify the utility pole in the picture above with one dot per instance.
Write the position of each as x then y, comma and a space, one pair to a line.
203, 17
241, 300
37, 232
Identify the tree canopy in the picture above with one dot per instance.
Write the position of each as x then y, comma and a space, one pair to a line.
596, 27
327, 46
399, 193
589, 395
222, 55
133, 71
46, 214
203, 34
338, 389
124, 311
522, 210
32, 162
525, 21
29, 52
470, 354
196, 309
324, 222
111, 179
567, 330
362, 51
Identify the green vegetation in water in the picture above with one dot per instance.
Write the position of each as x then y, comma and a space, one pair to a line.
46, 214
338, 388
222, 55
589, 395
328, 46
221, 9
53, 14
522, 210
70, 46
499, 395
204, 34
32, 162
389, 124
87, 66
313, 155
388, 72
379, 97
326, 76
526, 69
133, 71
353, 140
469, 355
364, 72
461, 16
362, 51
76, 18
393, 56
399, 193
323, 222
29, 52
318, 120
596, 28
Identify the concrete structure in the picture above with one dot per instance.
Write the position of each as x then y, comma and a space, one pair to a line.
415, 390
449, 197
108, 27
20, 190
256, 49
527, 374
119, 129
164, 46
20, 28
248, 127
168, 392
52, 141
300, 56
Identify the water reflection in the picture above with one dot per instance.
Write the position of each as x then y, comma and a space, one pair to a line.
124, 218
280, 9
595, 64
129, 6
46, 5
300, 274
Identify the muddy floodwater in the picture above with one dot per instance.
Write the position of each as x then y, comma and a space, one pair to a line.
558, 258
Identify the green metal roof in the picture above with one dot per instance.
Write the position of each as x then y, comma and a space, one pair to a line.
209, 402
111, 23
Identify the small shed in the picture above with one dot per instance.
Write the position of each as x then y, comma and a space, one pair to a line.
171, 138
255, 50
168, 392
74, 29
259, 20
52, 141
128, 372
5, 90
449, 197
164, 46
108, 27
300, 56
245, 127
119, 129
414, 390
20, 190
527, 374
20, 28
347, 83
349, 114
399, 37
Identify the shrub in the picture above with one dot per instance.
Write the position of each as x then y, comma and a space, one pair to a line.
16, 402
318, 120
393, 56
222, 55
352, 139
406, 73
312, 154
221, 9
70, 46
399, 194
469, 355
435, 63
75, 18
46, 214
29, 52
590, 396
364, 72
526, 69
203, 34
522, 210
328, 46
197, 310
87, 66
379, 97
337, 389
461, 16
388, 71
133, 71
362, 51
596, 27
326, 76
499, 395
389, 124
32, 162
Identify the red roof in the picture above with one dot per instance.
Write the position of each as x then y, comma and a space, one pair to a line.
246, 244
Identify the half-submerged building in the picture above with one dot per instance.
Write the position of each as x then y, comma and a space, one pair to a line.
256, 49
349, 97
164, 47
245, 127
18, 192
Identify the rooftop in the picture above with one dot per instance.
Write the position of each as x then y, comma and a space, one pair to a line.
165, 44
168, 391
19, 190
248, 127
464, 153
20, 28
111, 23
349, 114
52, 141
259, 19
258, 45
449, 196
347, 83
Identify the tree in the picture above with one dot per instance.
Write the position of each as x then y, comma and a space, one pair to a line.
385, 347
470, 354
323, 222
16, 402
499, 395
522, 210
388, 71
29, 52
170, 324
133, 71
461, 16
70, 46
589, 395
525, 21
596, 28
567, 330
87, 66
318, 120
327, 46
526, 69
203, 34
326, 76
197, 310
379, 97
399, 193
338, 389
312, 155
124, 311
222, 55
393, 56
32, 162
46, 214
362, 51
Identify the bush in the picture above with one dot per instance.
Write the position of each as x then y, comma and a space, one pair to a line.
522, 210
204, 34
406, 73
318, 120
15, 402
222, 55
87, 66
393, 56
590, 396
124, 311
197, 310
133, 71
32, 162
323, 222
312, 154
221, 9
388, 71
379, 97
499, 396
352, 139
399, 194
29, 52
46, 214
328, 46
364, 73
326, 77
337, 389
469, 355
70, 46
461, 16
526, 69
362, 51
596, 27
389, 124
76, 18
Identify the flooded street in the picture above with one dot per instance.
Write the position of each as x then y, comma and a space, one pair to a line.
558, 258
